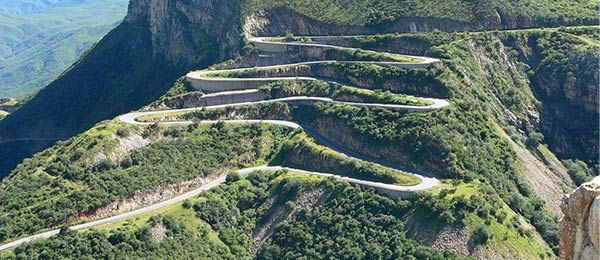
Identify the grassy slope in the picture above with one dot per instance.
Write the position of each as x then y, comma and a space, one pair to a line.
37, 47
302, 152
453, 141
469, 206
73, 176
485, 77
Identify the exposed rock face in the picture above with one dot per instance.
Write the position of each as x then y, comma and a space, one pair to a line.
580, 227
570, 104
567, 89
181, 28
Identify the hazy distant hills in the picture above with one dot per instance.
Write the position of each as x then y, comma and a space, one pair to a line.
34, 6
39, 39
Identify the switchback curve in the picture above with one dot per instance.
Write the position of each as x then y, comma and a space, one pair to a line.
251, 83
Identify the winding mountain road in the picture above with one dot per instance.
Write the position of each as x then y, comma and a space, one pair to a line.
230, 86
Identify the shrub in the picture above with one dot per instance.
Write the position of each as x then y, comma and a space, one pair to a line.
186, 204
232, 177
64, 230
481, 235
123, 132
578, 171
289, 37
534, 139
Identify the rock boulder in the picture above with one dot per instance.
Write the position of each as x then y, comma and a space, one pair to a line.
580, 226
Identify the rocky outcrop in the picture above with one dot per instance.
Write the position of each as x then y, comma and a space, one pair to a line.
580, 227
180, 28
144, 198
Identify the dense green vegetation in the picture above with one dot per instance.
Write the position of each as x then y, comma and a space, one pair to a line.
302, 152
339, 93
579, 171
88, 171
223, 223
289, 215
362, 224
371, 12
40, 39
485, 75
519, 81
445, 141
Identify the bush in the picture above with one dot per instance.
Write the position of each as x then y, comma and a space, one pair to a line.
64, 230
289, 37
232, 177
534, 139
123, 132
578, 171
481, 235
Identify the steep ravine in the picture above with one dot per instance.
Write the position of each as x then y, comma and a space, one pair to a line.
563, 80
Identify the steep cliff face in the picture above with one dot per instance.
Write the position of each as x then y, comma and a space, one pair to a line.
570, 108
580, 227
562, 74
279, 21
182, 30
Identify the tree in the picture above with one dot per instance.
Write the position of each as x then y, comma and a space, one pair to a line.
187, 204
481, 235
64, 230
232, 177
123, 132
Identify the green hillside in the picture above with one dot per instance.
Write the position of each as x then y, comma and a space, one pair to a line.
96, 88
233, 221
372, 12
490, 129
39, 41
463, 142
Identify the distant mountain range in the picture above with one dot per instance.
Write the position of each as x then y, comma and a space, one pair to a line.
34, 6
39, 39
